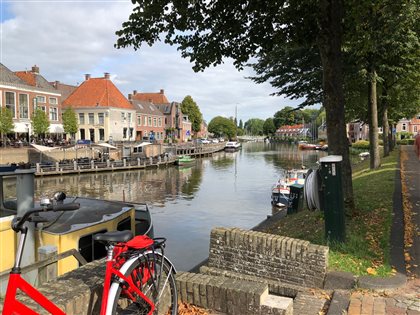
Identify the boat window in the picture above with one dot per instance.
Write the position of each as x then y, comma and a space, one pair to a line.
91, 250
124, 225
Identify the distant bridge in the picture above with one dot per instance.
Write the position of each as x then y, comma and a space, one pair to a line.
251, 138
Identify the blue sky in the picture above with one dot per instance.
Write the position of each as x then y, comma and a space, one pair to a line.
67, 39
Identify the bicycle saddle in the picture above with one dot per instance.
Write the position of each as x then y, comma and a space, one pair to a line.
114, 236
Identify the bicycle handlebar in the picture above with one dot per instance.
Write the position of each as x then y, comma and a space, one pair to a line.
17, 223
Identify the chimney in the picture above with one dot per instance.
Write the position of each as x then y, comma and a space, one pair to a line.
87, 76
162, 91
35, 69
107, 76
130, 96
56, 83
134, 92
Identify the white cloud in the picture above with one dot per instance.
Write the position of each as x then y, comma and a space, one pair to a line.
68, 39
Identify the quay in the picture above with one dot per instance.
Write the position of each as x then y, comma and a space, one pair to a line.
56, 165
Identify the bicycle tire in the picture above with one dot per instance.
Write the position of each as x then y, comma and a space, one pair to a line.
165, 298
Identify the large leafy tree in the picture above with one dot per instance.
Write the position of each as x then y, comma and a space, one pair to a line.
207, 31
40, 122
269, 128
6, 123
190, 108
254, 127
70, 124
222, 127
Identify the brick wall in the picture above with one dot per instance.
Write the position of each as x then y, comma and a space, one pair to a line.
268, 256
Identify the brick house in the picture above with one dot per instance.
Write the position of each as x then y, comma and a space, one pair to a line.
104, 114
150, 121
409, 125
177, 125
24, 91
294, 131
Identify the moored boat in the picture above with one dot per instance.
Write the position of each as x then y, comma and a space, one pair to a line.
281, 189
232, 146
184, 160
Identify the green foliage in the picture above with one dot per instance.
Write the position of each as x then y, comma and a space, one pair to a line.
190, 108
269, 128
404, 135
241, 124
70, 123
361, 144
406, 141
40, 122
6, 122
254, 127
222, 127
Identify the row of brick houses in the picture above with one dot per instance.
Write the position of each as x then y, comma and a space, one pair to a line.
103, 112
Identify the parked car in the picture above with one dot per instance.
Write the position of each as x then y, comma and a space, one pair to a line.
215, 140
205, 141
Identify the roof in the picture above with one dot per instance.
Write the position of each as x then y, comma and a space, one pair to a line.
8, 76
64, 89
96, 92
34, 79
155, 98
146, 107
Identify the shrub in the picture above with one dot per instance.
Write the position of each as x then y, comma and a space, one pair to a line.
361, 144
405, 142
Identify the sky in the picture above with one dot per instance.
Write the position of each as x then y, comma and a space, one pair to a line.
68, 39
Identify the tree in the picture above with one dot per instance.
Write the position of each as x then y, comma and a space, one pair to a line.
70, 124
207, 31
268, 127
254, 127
222, 127
40, 122
241, 124
6, 123
190, 108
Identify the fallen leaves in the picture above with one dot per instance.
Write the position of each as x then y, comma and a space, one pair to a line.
189, 309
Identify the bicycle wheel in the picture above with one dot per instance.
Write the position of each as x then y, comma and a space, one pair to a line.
155, 279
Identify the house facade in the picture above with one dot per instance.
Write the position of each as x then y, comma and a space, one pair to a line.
409, 125
293, 131
104, 114
23, 92
177, 125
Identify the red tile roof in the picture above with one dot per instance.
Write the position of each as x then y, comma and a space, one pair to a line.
97, 92
27, 76
155, 98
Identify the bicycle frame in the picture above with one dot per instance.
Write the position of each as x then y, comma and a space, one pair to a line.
13, 306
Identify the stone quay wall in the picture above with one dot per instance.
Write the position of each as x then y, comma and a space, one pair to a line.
268, 256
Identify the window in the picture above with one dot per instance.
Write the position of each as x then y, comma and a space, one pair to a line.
43, 108
81, 118
23, 106
101, 119
53, 100
10, 103
82, 134
101, 134
149, 121
154, 122
41, 99
139, 120
124, 133
91, 117
54, 113
129, 117
122, 116
160, 122
415, 128
404, 127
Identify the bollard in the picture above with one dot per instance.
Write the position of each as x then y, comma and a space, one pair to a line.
125, 162
92, 164
75, 165
138, 161
333, 202
48, 272
57, 166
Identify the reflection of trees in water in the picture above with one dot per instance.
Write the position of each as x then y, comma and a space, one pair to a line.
223, 160
152, 185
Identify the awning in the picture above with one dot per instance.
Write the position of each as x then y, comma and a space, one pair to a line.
21, 127
56, 128
43, 148
106, 145
143, 144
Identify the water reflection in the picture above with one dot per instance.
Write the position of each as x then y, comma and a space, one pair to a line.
226, 189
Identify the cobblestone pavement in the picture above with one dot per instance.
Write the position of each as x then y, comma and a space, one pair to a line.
403, 301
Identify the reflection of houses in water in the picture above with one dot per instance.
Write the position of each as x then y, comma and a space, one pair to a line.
290, 156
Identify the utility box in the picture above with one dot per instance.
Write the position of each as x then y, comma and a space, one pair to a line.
295, 198
333, 200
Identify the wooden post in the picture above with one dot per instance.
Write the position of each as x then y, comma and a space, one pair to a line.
49, 272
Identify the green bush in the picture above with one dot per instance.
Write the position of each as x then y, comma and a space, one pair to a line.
361, 144
405, 142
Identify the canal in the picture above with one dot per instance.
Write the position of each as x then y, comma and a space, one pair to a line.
226, 189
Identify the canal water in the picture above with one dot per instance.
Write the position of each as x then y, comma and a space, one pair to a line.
226, 189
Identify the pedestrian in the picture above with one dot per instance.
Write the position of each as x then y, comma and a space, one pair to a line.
417, 144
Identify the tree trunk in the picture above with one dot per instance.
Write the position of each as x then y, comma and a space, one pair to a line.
391, 138
329, 42
375, 160
385, 129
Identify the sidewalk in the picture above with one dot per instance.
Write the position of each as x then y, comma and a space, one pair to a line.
405, 300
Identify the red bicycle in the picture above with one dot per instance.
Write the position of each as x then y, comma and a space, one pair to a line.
139, 278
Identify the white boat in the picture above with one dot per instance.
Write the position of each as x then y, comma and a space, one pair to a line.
281, 189
232, 146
